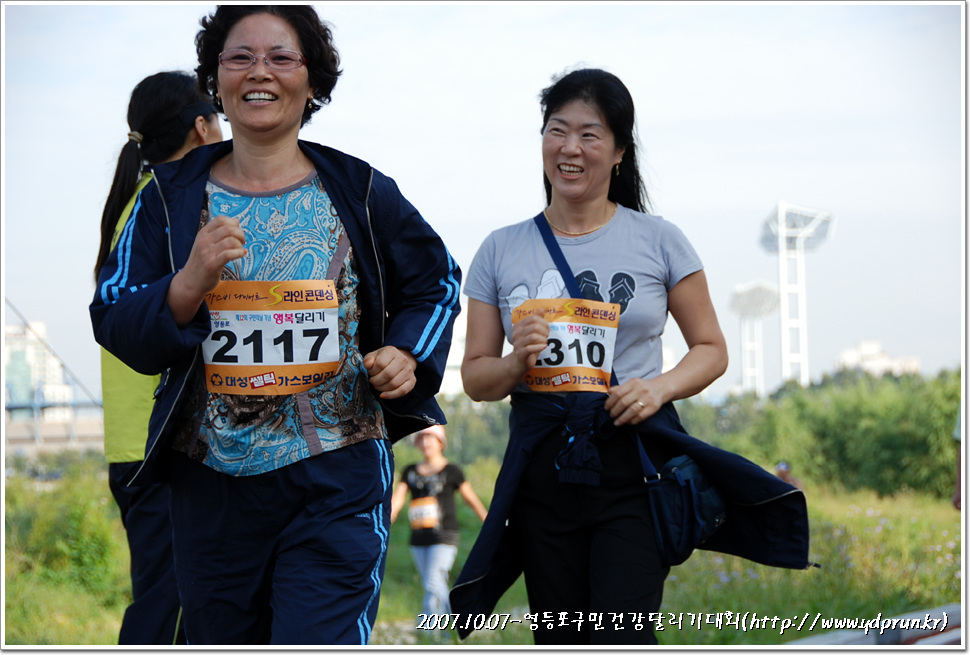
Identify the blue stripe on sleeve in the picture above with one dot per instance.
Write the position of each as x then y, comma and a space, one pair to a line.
111, 289
441, 316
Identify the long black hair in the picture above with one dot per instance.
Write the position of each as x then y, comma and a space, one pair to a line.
610, 96
161, 113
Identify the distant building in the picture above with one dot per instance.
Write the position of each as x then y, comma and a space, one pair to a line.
43, 412
868, 356
33, 375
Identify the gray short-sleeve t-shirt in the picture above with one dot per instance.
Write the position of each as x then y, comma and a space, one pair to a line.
634, 261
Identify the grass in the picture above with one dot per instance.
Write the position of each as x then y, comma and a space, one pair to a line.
41, 612
53, 530
890, 555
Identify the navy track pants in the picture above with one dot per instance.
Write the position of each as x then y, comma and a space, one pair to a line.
291, 556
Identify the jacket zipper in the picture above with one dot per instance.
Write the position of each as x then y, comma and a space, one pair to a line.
171, 410
380, 284
195, 354
168, 221
377, 260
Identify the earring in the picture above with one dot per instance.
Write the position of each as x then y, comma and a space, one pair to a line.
616, 170
217, 103
309, 104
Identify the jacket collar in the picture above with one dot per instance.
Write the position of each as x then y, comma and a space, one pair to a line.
336, 167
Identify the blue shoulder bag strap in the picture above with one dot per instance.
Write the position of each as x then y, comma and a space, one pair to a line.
649, 470
553, 246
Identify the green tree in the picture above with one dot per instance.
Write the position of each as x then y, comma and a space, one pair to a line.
475, 429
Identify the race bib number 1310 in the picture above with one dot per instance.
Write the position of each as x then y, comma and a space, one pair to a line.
582, 340
271, 338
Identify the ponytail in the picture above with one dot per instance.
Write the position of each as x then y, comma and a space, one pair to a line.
122, 188
161, 113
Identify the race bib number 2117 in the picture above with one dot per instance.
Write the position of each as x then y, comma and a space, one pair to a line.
271, 338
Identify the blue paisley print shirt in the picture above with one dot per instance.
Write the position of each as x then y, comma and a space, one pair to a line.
291, 234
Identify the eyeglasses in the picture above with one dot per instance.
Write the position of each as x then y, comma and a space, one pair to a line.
241, 60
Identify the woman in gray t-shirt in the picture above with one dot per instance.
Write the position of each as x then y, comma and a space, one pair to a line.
579, 523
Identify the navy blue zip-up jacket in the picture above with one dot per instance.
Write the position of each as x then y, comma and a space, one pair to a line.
767, 518
408, 291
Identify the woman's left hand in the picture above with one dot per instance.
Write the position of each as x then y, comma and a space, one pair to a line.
391, 371
634, 401
690, 305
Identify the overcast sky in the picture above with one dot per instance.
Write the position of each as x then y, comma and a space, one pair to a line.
852, 109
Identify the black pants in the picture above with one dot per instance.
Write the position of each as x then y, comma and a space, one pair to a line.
589, 551
153, 618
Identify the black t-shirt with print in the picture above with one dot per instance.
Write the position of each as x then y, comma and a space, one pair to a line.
431, 511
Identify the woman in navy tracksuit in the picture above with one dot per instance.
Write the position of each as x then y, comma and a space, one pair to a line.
280, 500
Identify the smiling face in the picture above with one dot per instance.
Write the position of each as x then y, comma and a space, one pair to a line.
262, 100
579, 153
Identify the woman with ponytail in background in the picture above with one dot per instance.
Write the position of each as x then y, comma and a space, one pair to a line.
167, 118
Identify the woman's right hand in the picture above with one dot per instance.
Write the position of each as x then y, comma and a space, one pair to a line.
219, 242
529, 338
485, 372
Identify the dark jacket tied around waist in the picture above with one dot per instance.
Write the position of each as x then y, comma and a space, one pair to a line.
767, 518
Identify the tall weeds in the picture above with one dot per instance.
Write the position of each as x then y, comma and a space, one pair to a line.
66, 567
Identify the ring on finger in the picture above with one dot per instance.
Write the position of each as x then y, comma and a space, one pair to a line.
640, 403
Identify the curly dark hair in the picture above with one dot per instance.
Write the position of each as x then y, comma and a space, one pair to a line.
316, 41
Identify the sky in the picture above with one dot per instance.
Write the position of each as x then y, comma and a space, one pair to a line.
853, 109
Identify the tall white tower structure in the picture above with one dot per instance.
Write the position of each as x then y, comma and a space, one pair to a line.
791, 232
753, 301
